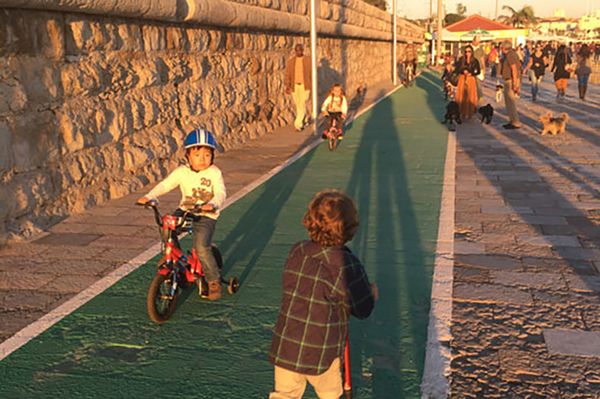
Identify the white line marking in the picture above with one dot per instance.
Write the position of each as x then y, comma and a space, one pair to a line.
436, 372
54, 316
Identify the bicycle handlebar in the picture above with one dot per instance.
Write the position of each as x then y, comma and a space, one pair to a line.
154, 205
187, 214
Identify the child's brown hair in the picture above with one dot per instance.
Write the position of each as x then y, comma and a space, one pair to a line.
333, 86
331, 218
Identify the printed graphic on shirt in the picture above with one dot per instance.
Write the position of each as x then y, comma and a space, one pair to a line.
200, 194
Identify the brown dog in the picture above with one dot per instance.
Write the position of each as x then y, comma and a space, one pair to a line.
554, 125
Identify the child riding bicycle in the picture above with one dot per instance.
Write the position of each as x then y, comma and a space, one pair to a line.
203, 189
335, 107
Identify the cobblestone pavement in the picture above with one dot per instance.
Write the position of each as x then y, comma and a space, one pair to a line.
526, 309
38, 276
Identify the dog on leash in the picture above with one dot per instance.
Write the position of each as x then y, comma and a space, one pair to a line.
486, 112
452, 115
499, 92
554, 125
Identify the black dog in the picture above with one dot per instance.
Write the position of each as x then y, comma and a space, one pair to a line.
452, 114
486, 112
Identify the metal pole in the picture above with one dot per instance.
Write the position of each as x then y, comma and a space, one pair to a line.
496, 17
395, 42
313, 59
430, 31
439, 32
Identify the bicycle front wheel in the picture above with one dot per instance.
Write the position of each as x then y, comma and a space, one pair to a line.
160, 302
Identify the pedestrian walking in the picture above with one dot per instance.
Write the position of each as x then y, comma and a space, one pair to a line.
510, 70
562, 71
536, 67
583, 70
479, 55
298, 83
494, 60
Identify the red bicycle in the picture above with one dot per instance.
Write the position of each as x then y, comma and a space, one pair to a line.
177, 270
333, 134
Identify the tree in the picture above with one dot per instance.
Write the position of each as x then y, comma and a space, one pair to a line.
521, 18
450, 19
461, 9
377, 3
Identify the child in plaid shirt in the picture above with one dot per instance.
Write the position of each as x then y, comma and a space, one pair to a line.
323, 284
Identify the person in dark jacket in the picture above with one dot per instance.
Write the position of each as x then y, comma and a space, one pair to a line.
537, 68
561, 68
323, 284
467, 68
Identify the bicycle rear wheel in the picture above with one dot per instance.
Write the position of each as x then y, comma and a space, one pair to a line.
159, 301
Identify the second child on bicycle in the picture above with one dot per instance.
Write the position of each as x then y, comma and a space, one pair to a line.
335, 107
201, 183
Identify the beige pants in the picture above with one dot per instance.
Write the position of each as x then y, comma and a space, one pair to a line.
291, 385
300, 96
510, 100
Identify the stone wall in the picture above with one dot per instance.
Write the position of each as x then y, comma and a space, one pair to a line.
94, 104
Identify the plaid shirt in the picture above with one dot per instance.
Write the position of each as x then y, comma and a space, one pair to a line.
322, 286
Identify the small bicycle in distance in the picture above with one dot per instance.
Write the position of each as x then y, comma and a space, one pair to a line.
177, 270
333, 134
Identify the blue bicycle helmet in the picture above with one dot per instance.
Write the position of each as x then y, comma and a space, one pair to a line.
200, 138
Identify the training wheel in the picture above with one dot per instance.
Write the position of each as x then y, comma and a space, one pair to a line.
233, 285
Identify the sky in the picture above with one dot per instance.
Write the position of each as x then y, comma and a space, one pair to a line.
543, 8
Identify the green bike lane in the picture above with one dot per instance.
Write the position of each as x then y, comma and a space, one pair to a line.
391, 163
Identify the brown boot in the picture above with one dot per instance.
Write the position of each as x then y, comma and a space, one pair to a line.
214, 290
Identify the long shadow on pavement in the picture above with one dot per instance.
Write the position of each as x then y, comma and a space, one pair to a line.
383, 185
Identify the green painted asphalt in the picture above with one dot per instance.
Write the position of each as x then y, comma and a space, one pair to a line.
391, 163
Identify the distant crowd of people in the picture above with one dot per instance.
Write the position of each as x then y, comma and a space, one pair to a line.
464, 72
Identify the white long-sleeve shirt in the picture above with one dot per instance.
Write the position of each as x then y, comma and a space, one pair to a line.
196, 187
335, 104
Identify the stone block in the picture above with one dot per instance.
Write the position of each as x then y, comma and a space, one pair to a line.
38, 78
490, 293
33, 140
154, 38
6, 155
577, 253
32, 33
547, 281
572, 342
541, 220
492, 262
583, 283
14, 98
549, 240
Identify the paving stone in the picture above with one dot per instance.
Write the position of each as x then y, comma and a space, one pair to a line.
577, 253
556, 211
463, 247
582, 283
69, 284
471, 275
493, 262
24, 281
573, 342
552, 240
554, 265
15, 300
503, 239
553, 281
490, 293
78, 239
541, 220
553, 230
